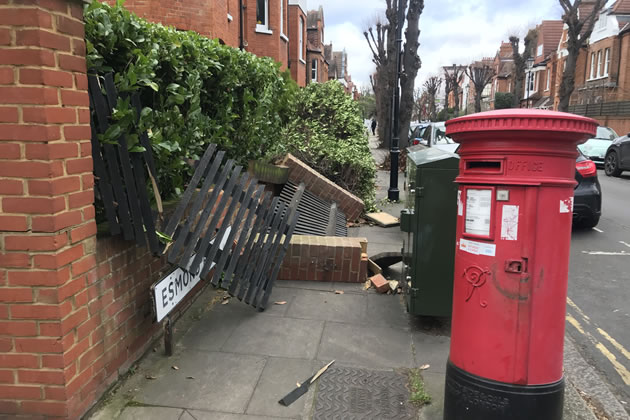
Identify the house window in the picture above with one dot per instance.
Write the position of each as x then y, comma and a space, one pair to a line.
262, 15
539, 52
606, 61
314, 70
592, 66
536, 80
548, 79
301, 41
599, 63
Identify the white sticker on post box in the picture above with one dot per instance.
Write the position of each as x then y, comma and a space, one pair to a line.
478, 210
509, 223
477, 248
566, 206
460, 205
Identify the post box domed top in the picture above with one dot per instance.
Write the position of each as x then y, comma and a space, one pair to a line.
573, 127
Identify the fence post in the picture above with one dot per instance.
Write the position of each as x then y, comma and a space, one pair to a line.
47, 228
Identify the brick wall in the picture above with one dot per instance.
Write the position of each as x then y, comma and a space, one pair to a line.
267, 44
322, 187
325, 258
208, 17
47, 230
298, 67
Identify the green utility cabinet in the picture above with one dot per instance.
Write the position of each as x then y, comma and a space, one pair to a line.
430, 219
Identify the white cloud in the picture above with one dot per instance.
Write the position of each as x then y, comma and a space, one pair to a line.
347, 35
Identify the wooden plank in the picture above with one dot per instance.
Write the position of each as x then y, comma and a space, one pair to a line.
183, 233
235, 199
244, 241
127, 170
278, 262
249, 204
111, 158
253, 246
103, 183
190, 189
145, 204
201, 224
262, 281
383, 219
253, 193
260, 266
208, 229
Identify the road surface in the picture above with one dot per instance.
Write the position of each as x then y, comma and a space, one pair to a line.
598, 309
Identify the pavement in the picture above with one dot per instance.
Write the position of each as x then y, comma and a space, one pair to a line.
600, 291
234, 363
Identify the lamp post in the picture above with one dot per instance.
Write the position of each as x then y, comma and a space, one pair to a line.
530, 64
393, 193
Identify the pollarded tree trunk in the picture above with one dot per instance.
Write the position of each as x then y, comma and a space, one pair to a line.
410, 65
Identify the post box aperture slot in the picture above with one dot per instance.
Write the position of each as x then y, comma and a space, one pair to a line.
484, 166
479, 212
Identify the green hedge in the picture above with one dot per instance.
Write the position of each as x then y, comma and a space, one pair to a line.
195, 91
327, 133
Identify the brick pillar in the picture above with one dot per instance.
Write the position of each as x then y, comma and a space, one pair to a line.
47, 228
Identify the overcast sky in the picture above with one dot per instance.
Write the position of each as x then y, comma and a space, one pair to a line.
451, 31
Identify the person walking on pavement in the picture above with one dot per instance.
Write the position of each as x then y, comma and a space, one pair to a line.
373, 126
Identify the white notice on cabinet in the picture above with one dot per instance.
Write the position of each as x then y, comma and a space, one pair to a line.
478, 209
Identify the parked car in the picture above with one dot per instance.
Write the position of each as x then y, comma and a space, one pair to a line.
587, 201
595, 148
618, 156
415, 132
434, 135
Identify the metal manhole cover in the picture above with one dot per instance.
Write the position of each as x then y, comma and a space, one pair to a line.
362, 394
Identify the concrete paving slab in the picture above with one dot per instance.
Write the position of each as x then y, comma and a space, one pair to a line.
328, 306
279, 337
387, 310
574, 406
215, 415
352, 288
187, 416
432, 350
301, 284
434, 386
278, 379
153, 413
216, 326
222, 381
367, 346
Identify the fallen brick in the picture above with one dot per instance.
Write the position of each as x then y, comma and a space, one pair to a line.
380, 283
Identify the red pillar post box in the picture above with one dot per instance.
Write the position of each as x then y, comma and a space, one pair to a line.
515, 202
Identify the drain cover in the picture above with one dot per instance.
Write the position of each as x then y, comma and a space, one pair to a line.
362, 394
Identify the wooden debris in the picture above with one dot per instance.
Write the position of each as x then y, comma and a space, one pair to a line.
174, 367
374, 268
282, 302
339, 292
425, 367
383, 219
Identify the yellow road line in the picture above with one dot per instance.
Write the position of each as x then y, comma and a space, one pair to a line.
615, 343
621, 369
578, 310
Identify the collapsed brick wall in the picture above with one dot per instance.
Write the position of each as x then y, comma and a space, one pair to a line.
325, 258
322, 187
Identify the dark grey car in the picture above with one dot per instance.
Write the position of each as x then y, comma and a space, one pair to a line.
618, 156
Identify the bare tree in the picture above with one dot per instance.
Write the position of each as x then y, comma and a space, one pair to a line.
432, 86
381, 39
580, 20
480, 75
520, 61
454, 76
411, 63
